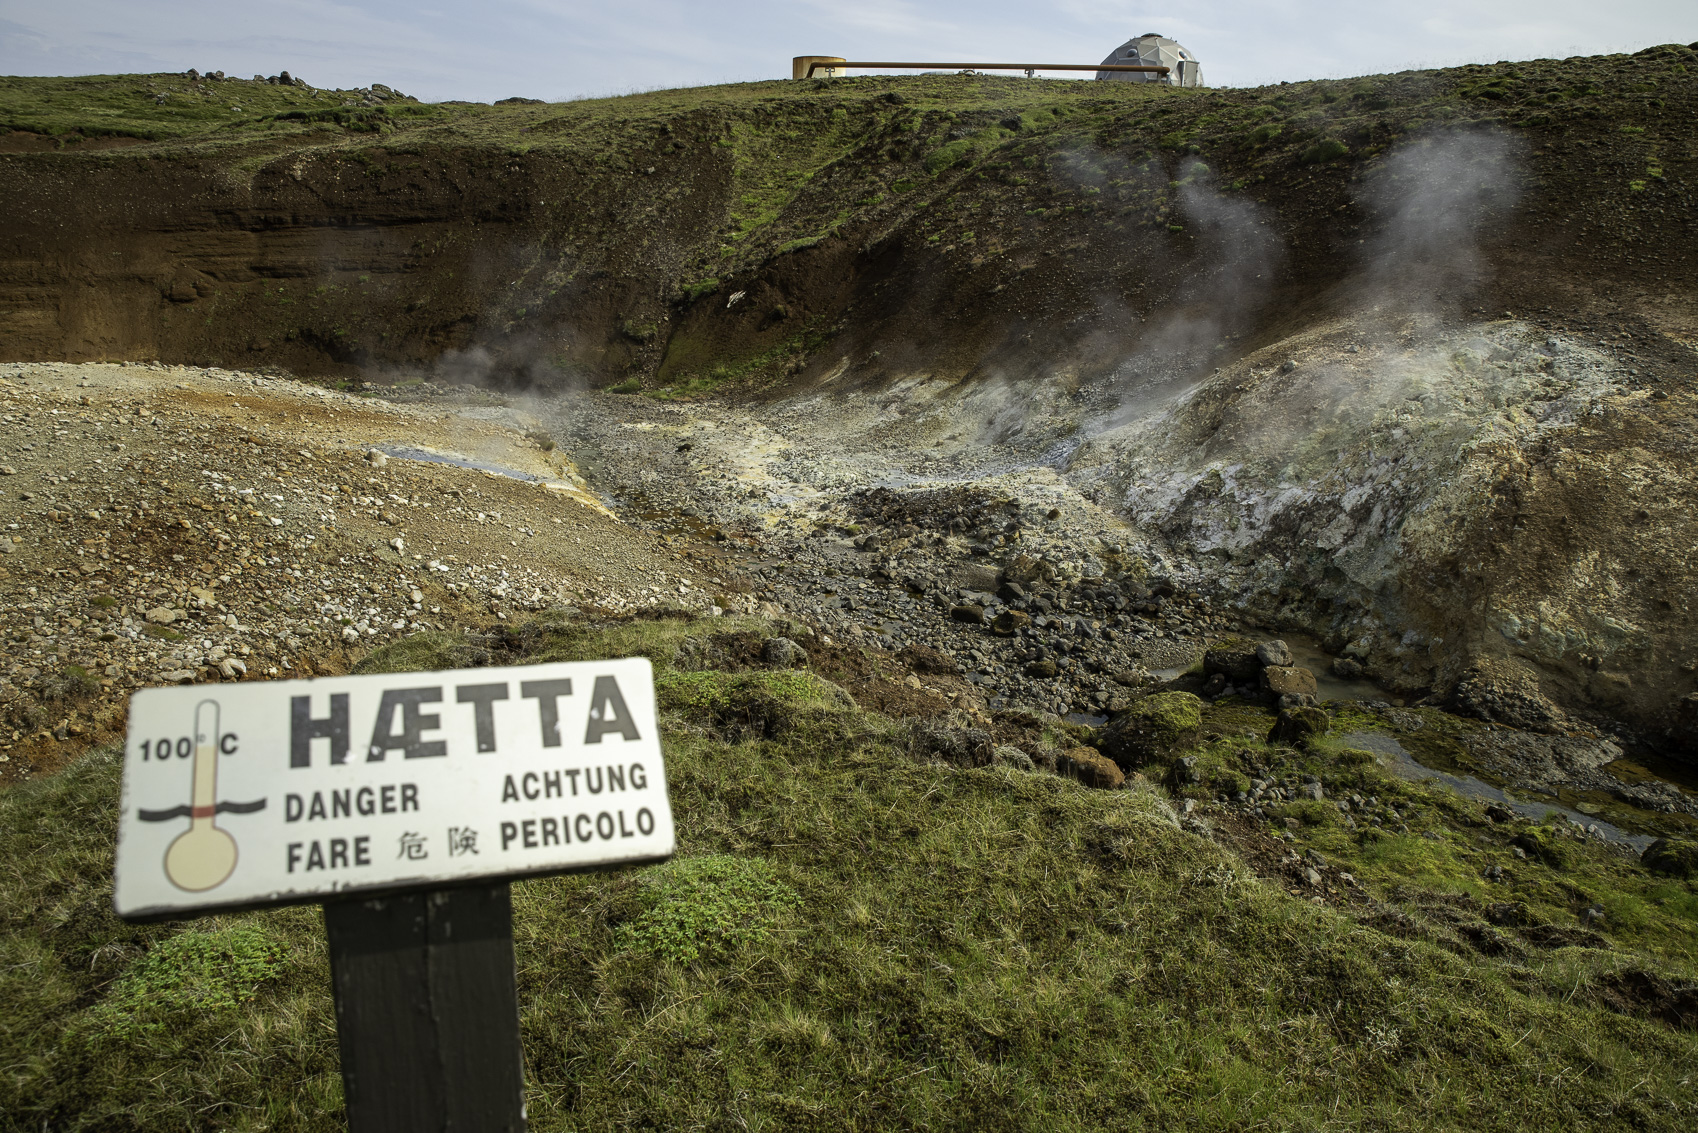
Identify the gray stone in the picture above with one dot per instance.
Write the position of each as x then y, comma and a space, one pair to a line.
784, 653
976, 576
1273, 653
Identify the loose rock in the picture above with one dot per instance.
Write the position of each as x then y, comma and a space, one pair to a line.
1091, 768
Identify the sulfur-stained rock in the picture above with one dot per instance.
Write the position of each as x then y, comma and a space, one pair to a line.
1091, 768
1288, 680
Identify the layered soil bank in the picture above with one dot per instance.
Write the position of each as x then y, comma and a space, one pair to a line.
1404, 361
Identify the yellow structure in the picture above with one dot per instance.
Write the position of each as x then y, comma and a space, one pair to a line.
799, 66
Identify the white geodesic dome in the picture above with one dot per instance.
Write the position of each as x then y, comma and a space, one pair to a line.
1152, 50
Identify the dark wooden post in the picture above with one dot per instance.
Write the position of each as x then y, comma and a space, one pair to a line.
427, 1011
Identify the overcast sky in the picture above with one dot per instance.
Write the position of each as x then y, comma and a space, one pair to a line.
559, 49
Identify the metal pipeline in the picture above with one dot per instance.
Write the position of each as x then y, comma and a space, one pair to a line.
1026, 67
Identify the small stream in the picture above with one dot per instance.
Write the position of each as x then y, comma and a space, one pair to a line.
405, 452
1398, 761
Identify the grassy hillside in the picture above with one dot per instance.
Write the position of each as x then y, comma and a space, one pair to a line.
855, 937
197, 111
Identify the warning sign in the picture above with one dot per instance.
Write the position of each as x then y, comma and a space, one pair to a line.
270, 793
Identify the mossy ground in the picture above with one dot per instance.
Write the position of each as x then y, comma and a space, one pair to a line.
853, 939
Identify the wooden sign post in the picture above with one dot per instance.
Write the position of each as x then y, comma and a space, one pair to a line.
402, 803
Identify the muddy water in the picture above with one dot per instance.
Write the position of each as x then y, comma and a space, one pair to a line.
1307, 652
1396, 759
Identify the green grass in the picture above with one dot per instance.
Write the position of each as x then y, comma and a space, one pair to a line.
850, 939
125, 106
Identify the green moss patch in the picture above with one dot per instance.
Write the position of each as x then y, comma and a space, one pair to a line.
706, 908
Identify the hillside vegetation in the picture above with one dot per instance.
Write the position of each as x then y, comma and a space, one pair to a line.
856, 937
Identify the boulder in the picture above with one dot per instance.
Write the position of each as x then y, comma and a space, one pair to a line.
1153, 729
970, 614
1010, 622
976, 576
784, 653
1676, 857
1235, 662
164, 615
1091, 768
1025, 570
1288, 680
1506, 691
1043, 670
1296, 726
1273, 653
1347, 669
1012, 592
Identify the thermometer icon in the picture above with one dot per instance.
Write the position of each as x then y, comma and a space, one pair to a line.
204, 855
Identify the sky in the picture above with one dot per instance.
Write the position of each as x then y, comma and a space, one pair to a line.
563, 49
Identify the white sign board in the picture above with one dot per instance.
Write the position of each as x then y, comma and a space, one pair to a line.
275, 792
